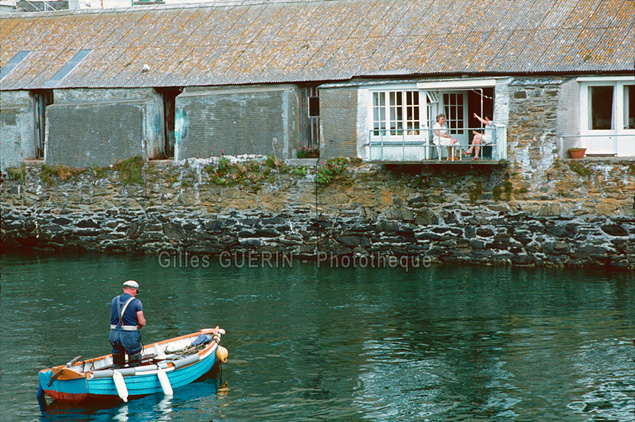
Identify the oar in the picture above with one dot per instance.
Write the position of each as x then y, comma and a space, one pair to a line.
59, 372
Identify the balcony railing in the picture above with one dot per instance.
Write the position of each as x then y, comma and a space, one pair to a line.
415, 145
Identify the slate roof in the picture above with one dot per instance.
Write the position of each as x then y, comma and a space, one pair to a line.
245, 42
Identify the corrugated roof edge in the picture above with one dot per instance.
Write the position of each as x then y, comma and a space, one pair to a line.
377, 80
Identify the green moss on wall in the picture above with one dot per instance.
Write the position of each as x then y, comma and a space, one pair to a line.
16, 173
130, 170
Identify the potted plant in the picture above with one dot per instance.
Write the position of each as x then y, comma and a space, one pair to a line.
577, 152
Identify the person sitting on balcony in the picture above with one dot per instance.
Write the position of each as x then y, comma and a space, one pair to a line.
442, 137
481, 139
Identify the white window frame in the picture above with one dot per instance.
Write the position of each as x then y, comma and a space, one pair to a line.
448, 109
619, 140
390, 132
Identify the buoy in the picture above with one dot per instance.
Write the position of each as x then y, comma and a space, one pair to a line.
165, 382
122, 390
222, 353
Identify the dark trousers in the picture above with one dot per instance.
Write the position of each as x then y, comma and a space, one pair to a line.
123, 342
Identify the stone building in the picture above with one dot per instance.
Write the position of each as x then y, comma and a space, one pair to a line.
357, 78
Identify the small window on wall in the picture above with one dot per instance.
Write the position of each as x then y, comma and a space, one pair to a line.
601, 107
311, 124
314, 106
629, 107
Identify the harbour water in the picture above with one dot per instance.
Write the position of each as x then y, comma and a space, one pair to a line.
310, 342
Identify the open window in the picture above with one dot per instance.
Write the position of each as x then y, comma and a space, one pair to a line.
41, 100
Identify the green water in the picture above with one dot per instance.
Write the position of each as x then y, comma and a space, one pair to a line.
316, 343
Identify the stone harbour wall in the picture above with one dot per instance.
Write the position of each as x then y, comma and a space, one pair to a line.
583, 217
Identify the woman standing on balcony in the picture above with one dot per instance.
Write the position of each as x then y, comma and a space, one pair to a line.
479, 139
442, 137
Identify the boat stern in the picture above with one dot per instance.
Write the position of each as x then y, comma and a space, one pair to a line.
65, 387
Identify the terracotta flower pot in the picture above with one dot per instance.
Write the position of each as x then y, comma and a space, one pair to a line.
577, 152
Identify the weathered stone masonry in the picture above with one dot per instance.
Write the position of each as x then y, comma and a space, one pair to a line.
473, 216
536, 209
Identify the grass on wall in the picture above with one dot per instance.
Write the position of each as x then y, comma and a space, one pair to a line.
16, 173
130, 170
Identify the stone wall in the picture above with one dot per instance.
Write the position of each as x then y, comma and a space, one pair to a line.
473, 215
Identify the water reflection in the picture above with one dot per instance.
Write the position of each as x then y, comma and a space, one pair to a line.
155, 407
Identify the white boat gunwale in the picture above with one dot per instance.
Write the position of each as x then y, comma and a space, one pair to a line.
79, 370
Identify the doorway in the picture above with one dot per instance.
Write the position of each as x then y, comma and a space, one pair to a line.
41, 100
166, 149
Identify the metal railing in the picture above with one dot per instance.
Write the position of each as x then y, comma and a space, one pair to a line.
411, 145
45, 6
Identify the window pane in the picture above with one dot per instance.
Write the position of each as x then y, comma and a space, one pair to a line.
379, 113
601, 107
394, 118
314, 106
453, 105
412, 112
629, 107
378, 99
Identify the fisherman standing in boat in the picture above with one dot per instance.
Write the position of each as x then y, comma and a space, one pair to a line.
126, 319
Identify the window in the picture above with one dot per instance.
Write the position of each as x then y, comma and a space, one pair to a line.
455, 109
412, 112
432, 106
314, 106
600, 107
310, 117
396, 113
379, 113
607, 117
313, 103
629, 107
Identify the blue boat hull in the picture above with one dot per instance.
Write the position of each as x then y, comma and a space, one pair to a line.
88, 386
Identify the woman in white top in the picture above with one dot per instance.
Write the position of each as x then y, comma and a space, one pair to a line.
441, 135
480, 139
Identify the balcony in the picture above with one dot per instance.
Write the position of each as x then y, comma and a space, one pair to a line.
415, 146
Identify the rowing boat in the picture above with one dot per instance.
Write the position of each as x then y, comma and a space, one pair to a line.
166, 365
